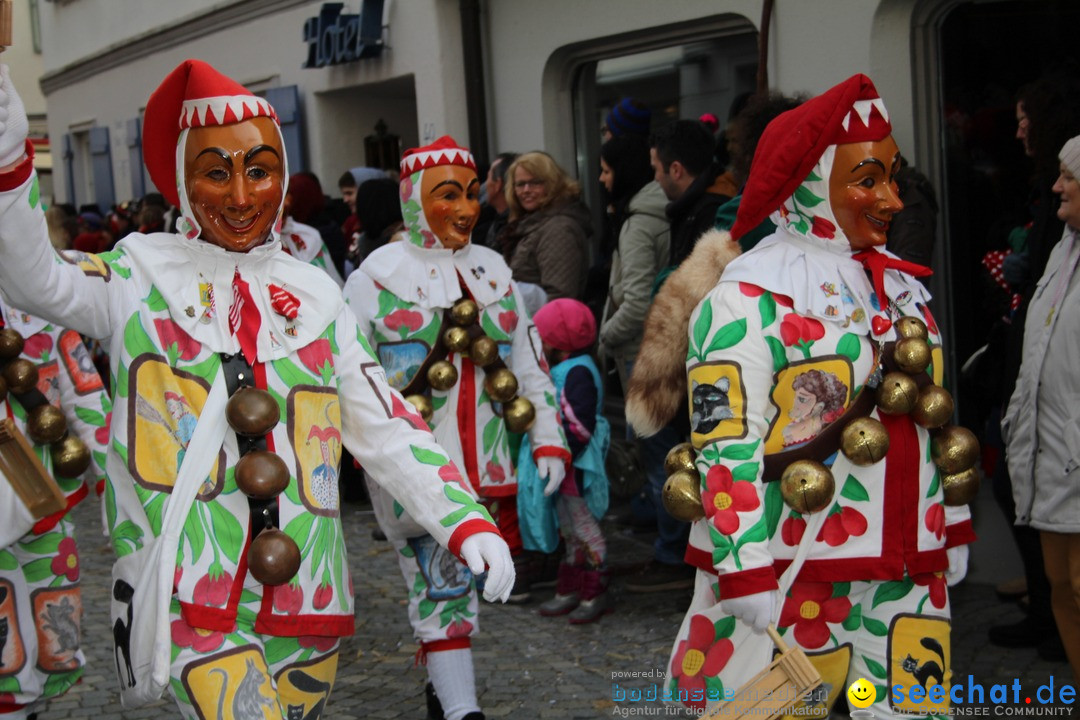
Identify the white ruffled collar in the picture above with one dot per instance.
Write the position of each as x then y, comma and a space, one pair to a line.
828, 285
195, 280
21, 322
428, 277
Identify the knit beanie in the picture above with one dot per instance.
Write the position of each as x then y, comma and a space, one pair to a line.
444, 151
1070, 155
566, 324
195, 95
628, 116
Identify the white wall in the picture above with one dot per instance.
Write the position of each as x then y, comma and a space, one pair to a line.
26, 66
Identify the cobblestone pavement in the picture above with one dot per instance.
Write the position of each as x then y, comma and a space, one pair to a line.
527, 666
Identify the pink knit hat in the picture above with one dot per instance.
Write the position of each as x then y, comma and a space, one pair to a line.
566, 324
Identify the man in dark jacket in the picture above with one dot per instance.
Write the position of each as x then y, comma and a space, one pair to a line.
681, 155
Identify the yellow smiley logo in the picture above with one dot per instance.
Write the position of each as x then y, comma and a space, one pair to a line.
861, 694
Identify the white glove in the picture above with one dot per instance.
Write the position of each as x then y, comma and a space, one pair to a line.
958, 558
488, 551
14, 127
554, 470
757, 610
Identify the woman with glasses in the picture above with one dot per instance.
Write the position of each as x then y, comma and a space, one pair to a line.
546, 241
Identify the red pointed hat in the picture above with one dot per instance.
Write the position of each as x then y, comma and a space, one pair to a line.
794, 141
444, 151
192, 95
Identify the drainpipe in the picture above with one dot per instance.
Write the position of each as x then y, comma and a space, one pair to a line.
475, 97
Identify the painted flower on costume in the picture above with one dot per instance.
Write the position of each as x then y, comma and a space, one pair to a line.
459, 628
810, 608
700, 656
796, 330
213, 590
935, 520
508, 321
410, 320
841, 525
316, 356
175, 340
66, 562
320, 643
724, 498
199, 640
323, 594
792, 530
935, 583
288, 598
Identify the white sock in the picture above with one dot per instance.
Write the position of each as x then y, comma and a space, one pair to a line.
451, 672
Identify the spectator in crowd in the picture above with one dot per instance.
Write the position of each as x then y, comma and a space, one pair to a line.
913, 230
308, 205
378, 208
1039, 424
495, 213
628, 116
92, 237
63, 227
546, 241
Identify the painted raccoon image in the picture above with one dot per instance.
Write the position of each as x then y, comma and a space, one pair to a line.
710, 405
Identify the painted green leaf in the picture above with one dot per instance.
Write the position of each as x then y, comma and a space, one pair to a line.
206, 369
387, 303
854, 619
57, 685
802, 226
492, 330
841, 589
291, 373
934, 484
894, 590
278, 649
8, 561
725, 627
428, 457
35, 197
742, 451
757, 533
37, 570
90, 417
779, 357
854, 490
229, 537
46, 544
727, 336
491, 433
876, 627
426, 607
774, 507
849, 346
767, 309
318, 548
122, 381
746, 471
807, 199
155, 300
701, 328
136, 341
194, 532
300, 526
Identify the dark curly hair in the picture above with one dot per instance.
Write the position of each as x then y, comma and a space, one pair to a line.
1052, 106
827, 388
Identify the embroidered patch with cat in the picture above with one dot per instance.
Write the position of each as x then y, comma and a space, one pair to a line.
717, 402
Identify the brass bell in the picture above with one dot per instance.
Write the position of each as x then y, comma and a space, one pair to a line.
680, 457
912, 355
807, 486
911, 327
70, 457
252, 412
897, 393
46, 424
464, 312
456, 339
484, 351
501, 385
682, 496
261, 474
960, 488
933, 408
423, 405
442, 375
21, 376
11, 344
273, 557
954, 449
864, 441
519, 415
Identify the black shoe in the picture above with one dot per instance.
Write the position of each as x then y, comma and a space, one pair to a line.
1024, 634
1052, 650
378, 535
476, 715
658, 577
434, 707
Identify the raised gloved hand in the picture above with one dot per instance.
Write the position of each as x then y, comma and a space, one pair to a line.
958, 560
14, 127
554, 469
757, 610
489, 551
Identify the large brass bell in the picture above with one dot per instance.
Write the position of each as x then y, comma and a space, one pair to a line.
423, 405
252, 412
807, 486
261, 474
456, 339
21, 376
954, 449
70, 457
484, 351
464, 312
682, 495
864, 441
933, 408
519, 415
897, 393
46, 424
911, 327
960, 488
273, 557
442, 375
501, 385
680, 457
11, 344
912, 355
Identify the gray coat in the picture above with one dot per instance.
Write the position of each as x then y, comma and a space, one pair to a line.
644, 241
1041, 425
550, 249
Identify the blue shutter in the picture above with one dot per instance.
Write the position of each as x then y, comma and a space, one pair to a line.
286, 102
135, 161
101, 166
69, 170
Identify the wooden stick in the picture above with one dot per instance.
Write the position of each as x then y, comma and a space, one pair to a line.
5, 24
777, 640
21, 467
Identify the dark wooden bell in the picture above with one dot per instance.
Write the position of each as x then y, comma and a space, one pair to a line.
273, 557
262, 475
252, 412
